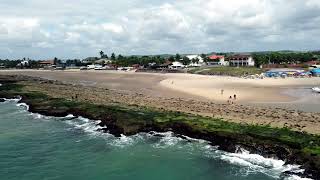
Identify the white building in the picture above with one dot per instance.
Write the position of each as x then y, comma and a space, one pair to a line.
176, 65
196, 64
241, 60
216, 60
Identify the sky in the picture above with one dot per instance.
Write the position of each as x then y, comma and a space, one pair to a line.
43, 29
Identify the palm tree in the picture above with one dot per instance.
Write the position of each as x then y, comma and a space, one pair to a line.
101, 54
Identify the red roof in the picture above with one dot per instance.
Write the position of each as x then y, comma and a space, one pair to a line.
215, 57
47, 62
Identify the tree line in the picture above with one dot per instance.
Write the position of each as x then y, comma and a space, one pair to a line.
283, 57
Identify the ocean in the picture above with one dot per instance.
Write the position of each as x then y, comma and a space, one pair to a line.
36, 147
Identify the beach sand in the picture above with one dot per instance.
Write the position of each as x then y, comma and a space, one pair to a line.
158, 91
266, 90
248, 91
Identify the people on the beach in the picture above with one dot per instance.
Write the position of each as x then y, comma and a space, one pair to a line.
222, 91
231, 100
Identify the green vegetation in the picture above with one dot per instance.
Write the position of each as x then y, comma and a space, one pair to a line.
229, 71
282, 57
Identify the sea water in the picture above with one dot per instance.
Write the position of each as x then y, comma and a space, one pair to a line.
36, 147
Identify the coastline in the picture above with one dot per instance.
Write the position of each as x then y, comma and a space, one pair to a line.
130, 120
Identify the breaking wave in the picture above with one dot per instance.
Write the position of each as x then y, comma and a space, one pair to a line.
15, 100
26, 106
249, 163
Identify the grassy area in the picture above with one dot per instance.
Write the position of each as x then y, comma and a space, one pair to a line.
228, 71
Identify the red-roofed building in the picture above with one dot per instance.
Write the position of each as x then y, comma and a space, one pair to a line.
216, 60
47, 64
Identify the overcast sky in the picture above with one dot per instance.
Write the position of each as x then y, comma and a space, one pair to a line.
81, 28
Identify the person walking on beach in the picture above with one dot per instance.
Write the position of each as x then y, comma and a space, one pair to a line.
235, 97
222, 91
230, 100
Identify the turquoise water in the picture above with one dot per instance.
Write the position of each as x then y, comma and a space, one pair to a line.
35, 147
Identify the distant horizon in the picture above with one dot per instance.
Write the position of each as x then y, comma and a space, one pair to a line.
162, 54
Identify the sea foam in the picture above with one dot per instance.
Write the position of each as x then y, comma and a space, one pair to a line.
250, 163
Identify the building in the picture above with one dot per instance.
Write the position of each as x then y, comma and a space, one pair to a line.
216, 60
47, 64
196, 60
241, 60
176, 65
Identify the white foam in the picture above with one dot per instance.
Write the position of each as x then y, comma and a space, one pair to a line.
13, 100
123, 141
258, 163
0, 84
295, 177
167, 140
23, 105
38, 116
70, 116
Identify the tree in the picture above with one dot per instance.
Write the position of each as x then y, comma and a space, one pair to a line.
101, 54
203, 56
113, 57
55, 61
185, 60
195, 60
120, 57
178, 57
171, 58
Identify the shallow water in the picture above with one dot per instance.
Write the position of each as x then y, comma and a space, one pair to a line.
38, 147
306, 100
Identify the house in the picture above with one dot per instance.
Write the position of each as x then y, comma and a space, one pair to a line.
103, 61
196, 60
89, 60
176, 65
47, 64
216, 60
241, 60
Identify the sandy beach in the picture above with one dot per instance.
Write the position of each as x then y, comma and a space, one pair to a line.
268, 91
180, 92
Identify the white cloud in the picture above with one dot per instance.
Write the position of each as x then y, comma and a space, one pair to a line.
82, 28
112, 27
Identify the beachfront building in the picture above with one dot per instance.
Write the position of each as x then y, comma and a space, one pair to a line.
216, 60
196, 60
241, 60
176, 65
47, 64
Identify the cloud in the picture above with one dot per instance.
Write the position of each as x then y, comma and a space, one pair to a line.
80, 28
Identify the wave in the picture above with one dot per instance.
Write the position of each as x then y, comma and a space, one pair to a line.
26, 106
249, 163
295, 177
15, 100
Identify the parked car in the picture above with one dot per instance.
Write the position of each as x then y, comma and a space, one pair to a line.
99, 67
83, 68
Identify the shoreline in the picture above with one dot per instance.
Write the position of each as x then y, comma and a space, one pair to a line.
129, 120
